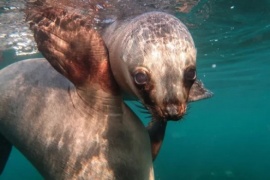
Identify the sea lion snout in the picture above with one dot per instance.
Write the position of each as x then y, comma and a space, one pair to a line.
174, 112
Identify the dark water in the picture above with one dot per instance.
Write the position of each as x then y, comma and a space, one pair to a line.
226, 137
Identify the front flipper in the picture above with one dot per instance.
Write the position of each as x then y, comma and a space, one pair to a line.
156, 130
5, 149
72, 46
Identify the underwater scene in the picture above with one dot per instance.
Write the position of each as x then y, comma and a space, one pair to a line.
225, 137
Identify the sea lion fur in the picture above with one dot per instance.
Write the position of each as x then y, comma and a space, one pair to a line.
75, 125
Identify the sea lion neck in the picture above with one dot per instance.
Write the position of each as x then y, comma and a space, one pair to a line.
114, 37
95, 101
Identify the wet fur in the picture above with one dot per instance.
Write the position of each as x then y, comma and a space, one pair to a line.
64, 137
76, 126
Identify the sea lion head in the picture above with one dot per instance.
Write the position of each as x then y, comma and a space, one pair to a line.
153, 57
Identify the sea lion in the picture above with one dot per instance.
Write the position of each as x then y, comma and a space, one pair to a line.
153, 58
72, 123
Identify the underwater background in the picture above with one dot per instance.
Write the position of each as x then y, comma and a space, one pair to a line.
226, 137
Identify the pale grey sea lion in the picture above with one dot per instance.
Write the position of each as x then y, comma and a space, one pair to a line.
75, 125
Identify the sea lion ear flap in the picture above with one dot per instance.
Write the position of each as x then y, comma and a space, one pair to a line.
198, 92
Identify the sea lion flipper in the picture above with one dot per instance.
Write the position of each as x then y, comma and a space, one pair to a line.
71, 45
5, 149
198, 92
156, 130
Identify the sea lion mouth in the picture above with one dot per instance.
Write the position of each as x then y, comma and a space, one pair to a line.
170, 112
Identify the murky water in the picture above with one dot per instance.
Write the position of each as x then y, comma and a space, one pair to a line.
227, 136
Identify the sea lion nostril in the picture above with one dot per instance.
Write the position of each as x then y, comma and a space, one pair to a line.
172, 110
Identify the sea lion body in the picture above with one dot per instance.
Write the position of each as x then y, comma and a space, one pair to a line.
42, 114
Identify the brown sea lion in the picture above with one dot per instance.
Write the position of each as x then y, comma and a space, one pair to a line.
72, 123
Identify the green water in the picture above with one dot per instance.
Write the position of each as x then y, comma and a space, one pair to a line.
226, 137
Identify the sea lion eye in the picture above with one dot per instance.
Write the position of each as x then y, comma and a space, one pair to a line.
140, 77
190, 74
